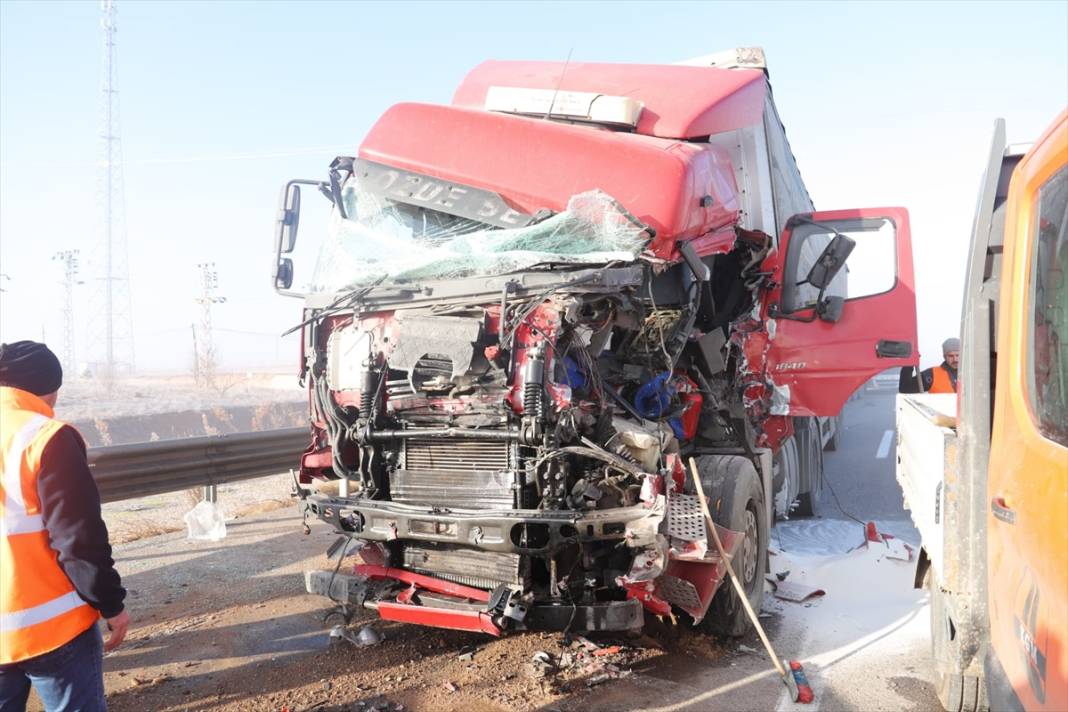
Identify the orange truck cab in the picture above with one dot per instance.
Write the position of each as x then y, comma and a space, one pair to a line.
985, 473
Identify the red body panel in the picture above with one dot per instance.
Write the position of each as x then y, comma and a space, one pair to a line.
822, 363
536, 164
430, 583
679, 102
474, 621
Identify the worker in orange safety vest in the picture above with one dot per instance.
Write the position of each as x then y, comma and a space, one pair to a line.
937, 379
57, 577
943, 377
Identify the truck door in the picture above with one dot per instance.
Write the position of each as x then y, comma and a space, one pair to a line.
1027, 480
830, 331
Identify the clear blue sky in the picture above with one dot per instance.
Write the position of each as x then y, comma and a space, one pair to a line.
221, 102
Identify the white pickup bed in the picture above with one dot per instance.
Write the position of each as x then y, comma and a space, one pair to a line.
926, 451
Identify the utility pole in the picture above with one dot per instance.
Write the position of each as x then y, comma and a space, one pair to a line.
209, 282
196, 356
69, 260
111, 317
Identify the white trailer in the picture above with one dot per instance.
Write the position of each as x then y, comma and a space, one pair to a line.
772, 190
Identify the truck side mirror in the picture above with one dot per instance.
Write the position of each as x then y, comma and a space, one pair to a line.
288, 219
830, 309
283, 275
830, 261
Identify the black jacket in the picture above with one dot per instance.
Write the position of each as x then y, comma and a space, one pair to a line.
70, 508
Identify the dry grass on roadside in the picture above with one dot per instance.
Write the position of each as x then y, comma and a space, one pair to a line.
141, 529
144, 527
267, 505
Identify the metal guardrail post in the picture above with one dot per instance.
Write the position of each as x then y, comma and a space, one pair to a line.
211, 494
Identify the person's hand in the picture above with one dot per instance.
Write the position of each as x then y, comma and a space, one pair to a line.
117, 625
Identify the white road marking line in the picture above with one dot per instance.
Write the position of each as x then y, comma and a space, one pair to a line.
884, 446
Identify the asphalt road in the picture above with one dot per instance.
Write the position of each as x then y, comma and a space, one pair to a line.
861, 471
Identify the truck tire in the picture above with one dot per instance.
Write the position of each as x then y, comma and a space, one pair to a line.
810, 466
787, 478
736, 501
832, 442
956, 692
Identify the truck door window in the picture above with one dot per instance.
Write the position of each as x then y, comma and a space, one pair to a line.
871, 268
1048, 347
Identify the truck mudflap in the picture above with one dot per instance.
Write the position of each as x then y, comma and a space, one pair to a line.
430, 601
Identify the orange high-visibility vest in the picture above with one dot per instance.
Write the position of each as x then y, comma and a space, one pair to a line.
39, 608
941, 382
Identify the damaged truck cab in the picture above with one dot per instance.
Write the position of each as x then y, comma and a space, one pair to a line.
534, 305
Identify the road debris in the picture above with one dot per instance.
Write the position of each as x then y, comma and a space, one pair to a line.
895, 548
795, 592
366, 637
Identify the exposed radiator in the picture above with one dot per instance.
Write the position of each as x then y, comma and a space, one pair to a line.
481, 569
460, 473
456, 455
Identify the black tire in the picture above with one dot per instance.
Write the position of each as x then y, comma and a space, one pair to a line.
787, 476
807, 505
956, 692
736, 501
810, 464
832, 442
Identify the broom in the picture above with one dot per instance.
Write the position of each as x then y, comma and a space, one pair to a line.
795, 674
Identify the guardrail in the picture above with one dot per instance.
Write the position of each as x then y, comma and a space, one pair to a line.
143, 469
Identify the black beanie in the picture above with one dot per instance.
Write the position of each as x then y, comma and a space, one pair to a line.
30, 366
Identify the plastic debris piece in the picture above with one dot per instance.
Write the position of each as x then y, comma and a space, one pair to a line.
610, 650
205, 522
366, 637
796, 592
895, 548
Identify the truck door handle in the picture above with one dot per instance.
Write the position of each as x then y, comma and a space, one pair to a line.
893, 349
1002, 511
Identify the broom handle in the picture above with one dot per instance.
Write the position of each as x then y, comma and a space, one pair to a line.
730, 570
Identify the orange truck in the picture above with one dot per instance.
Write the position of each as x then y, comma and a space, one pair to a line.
985, 472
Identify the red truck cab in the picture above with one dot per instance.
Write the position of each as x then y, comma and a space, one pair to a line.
533, 305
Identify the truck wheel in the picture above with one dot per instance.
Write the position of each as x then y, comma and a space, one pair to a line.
956, 692
736, 502
832, 442
809, 459
787, 479
807, 505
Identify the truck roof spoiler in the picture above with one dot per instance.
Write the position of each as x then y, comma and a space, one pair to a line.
737, 58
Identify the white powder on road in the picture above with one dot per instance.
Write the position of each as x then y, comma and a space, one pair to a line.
870, 633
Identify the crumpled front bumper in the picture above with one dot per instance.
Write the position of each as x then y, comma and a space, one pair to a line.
519, 531
458, 607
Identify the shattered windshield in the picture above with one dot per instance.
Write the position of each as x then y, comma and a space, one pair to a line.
384, 240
